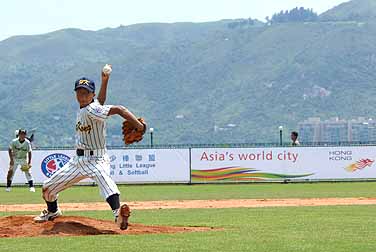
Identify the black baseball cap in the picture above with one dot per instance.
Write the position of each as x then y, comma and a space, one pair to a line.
85, 83
22, 131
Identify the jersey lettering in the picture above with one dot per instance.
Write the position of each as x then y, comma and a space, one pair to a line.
83, 128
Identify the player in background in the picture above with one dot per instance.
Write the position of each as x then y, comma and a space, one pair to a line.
20, 157
294, 139
30, 138
91, 159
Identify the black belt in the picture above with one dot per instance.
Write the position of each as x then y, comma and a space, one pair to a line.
81, 152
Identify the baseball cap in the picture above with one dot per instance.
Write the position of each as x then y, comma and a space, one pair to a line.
20, 131
85, 83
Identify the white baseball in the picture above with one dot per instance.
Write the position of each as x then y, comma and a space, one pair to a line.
107, 69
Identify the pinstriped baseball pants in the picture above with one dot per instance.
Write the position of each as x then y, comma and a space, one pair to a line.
77, 169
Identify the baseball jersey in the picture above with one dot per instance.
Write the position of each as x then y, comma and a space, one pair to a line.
91, 126
296, 143
20, 150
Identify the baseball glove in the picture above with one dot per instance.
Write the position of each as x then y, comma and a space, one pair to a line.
25, 167
130, 132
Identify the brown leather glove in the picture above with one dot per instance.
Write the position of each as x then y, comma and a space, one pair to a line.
130, 132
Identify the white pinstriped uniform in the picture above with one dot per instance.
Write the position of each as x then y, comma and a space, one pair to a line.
90, 137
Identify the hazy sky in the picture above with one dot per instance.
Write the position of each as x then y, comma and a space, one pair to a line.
23, 17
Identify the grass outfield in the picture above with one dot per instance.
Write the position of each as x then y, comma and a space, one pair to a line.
327, 228
181, 192
340, 228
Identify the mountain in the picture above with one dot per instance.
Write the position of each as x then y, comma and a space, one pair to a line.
357, 10
231, 81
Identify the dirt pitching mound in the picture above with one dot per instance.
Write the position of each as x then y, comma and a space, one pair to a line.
24, 226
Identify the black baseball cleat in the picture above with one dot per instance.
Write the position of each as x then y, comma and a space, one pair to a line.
122, 219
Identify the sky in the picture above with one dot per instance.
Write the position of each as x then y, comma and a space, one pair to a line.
29, 17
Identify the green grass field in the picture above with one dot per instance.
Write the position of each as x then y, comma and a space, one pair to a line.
334, 228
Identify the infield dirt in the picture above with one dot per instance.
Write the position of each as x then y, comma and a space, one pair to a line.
24, 226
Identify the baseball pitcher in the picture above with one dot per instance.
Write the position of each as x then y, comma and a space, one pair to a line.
91, 159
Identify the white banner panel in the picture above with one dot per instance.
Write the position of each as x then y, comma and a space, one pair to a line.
150, 165
44, 164
264, 164
216, 164
127, 165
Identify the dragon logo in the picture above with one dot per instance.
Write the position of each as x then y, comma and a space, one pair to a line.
360, 165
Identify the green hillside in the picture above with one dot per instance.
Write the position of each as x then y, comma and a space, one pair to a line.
194, 82
356, 10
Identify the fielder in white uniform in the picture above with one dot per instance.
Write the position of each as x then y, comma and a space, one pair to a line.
20, 155
91, 160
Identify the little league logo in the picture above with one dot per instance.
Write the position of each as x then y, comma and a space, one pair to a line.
53, 163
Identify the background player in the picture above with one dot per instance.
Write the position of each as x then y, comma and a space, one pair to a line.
294, 139
20, 157
91, 160
30, 138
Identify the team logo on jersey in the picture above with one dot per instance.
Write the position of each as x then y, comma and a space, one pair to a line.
98, 110
53, 163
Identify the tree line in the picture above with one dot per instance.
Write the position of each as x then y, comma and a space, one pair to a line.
295, 15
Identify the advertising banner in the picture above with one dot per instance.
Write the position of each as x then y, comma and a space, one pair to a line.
44, 164
270, 164
150, 165
126, 165
215, 164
